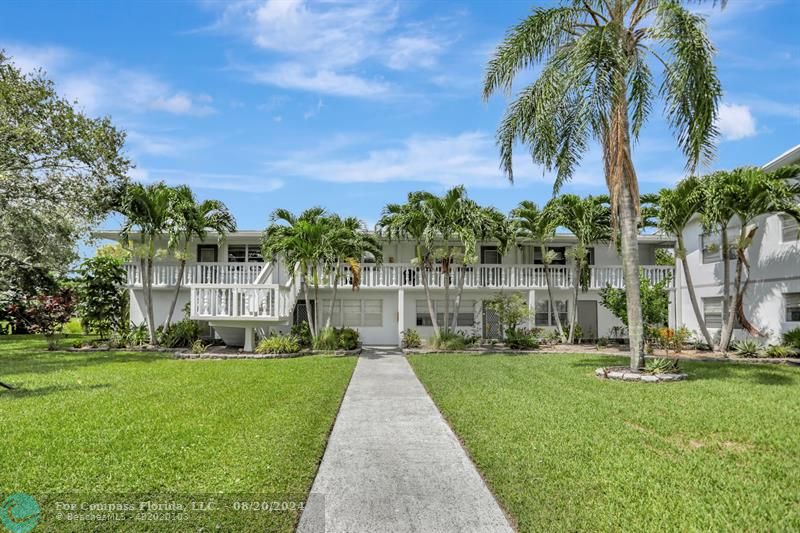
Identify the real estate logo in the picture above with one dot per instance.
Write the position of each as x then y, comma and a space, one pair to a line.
19, 512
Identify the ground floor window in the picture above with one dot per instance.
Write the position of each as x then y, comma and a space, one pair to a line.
545, 314
354, 313
792, 303
466, 313
712, 312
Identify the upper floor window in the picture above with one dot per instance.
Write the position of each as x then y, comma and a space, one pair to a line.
711, 244
244, 253
790, 229
560, 255
792, 303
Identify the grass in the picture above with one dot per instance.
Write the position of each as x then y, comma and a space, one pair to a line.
124, 423
565, 451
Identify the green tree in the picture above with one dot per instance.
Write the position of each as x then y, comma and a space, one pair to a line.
676, 207
595, 82
300, 242
655, 302
540, 225
190, 219
147, 219
511, 309
347, 241
61, 171
742, 196
589, 220
101, 296
410, 221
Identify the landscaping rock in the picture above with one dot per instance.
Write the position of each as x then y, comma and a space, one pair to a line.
650, 378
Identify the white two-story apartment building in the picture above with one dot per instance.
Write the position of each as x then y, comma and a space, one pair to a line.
229, 287
772, 300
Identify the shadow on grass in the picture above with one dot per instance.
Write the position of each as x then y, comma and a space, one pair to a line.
43, 362
20, 392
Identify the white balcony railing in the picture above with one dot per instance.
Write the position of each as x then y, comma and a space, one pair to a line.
241, 301
166, 274
490, 276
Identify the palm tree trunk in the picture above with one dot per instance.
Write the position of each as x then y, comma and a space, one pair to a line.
459, 292
730, 319
181, 269
701, 321
726, 282
574, 311
423, 274
446, 321
309, 315
559, 328
333, 299
629, 236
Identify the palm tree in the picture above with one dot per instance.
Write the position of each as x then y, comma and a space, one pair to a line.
745, 194
146, 208
409, 221
347, 241
589, 219
477, 223
596, 83
193, 220
540, 225
676, 207
299, 241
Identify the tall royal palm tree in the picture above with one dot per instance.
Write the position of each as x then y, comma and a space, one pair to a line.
741, 196
589, 220
190, 220
409, 221
299, 240
676, 207
147, 211
540, 225
347, 241
596, 83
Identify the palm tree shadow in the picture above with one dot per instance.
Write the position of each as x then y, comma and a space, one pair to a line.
20, 393
46, 362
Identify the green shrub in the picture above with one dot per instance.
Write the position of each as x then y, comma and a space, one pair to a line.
180, 334
661, 365
410, 339
77, 344
450, 341
276, 344
303, 333
327, 339
778, 351
602, 342
792, 338
199, 346
138, 335
522, 339
347, 339
748, 348
73, 327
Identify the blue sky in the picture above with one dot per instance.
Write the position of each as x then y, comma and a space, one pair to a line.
350, 105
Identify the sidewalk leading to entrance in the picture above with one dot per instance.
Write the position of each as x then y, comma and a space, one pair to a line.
393, 464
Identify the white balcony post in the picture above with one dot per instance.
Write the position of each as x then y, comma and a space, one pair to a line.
401, 314
249, 339
531, 308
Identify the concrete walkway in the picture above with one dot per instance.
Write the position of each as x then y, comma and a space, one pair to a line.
393, 464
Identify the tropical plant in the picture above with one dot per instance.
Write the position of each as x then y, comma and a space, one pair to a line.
45, 314
452, 341
742, 195
792, 338
511, 309
138, 335
347, 242
181, 334
191, 220
101, 298
661, 365
676, 207
522, 339
539, 225
198, 346
302, 332
300, 242
147, 212
410, 338
778, 351
278, 344
654, 299
347, 339
410, 221
327, 340
595, 82
747, 348
589, 219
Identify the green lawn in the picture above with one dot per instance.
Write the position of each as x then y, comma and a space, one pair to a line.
565, 451
122, 423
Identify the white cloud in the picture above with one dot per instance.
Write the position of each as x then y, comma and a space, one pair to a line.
210, 180
103, 87
322, 47
735, 122
313, 111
